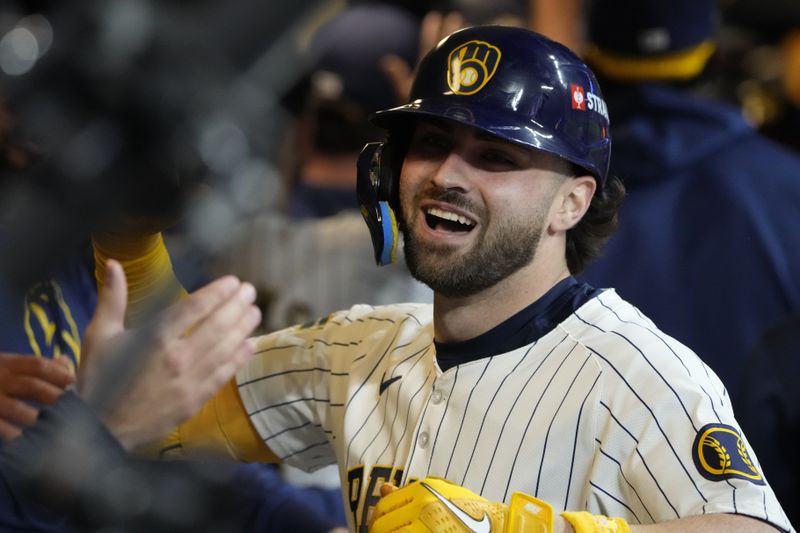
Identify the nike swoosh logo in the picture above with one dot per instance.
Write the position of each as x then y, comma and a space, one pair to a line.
385, 384
483, 525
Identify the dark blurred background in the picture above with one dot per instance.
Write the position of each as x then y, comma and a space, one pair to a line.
128, 105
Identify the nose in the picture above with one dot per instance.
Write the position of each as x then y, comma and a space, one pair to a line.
453, 173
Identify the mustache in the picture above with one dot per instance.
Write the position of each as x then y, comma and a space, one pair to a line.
451, 197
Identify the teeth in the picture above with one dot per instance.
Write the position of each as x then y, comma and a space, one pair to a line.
447, 215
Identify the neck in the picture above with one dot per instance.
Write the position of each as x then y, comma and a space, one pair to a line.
463, 318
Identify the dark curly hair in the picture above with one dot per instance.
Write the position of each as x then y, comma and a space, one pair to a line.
587, 238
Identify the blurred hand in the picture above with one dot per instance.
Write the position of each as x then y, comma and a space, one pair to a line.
435, 27
196, 347
28, 378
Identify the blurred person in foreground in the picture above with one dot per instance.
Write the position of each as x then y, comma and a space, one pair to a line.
63, 446
62, 464
708, 239
48, 294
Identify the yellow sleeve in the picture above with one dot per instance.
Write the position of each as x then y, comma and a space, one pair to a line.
220, 429
152, 284
222, 426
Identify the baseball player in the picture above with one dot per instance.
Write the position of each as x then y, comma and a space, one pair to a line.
547, 404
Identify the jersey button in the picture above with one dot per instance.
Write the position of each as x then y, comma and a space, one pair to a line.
423, 439
436, 397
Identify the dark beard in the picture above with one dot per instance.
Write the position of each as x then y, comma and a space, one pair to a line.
511, 246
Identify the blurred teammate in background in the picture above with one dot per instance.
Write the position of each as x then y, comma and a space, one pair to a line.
709, 225
324, 263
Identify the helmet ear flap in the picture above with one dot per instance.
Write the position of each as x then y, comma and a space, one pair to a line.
377, 190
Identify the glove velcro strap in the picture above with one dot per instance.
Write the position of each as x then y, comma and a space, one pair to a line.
584, 522
528, 514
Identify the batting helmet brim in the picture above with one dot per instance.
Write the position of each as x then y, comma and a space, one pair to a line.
503, 124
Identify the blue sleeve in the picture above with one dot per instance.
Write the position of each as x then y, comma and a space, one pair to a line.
69, 469
23, 460
282, 507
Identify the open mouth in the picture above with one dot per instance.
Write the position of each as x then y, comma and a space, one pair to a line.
441, 220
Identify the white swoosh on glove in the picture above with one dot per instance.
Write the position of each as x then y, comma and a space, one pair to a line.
478, 526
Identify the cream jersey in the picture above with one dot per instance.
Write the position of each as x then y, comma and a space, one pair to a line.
604, 413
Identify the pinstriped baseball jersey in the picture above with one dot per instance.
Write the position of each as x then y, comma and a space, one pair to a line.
603, 413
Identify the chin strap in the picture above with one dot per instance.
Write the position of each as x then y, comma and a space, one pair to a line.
388, 254
377, 212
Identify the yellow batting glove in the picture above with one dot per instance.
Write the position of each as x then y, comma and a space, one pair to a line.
435, 504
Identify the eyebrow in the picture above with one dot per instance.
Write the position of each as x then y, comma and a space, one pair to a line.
481, 135
449, 128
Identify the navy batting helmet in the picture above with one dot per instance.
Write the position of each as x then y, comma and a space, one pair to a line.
510, 82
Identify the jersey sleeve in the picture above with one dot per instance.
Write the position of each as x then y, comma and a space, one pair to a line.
668, 444
290, 388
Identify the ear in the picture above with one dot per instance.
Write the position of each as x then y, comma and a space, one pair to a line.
572, 202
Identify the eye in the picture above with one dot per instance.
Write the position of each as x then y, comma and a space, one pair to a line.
430, 142
498, 159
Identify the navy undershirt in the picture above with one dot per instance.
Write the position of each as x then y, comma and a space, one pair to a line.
523, 328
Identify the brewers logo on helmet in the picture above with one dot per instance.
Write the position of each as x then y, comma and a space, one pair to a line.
471, 65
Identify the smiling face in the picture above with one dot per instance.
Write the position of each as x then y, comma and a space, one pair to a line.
474, 207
